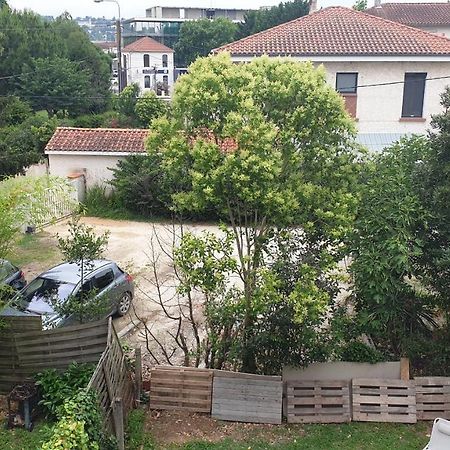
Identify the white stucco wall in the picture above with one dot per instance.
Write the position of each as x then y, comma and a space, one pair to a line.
440, 30
94, 167
379, 108
135, 69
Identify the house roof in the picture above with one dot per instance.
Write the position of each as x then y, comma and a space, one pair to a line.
414, 14
108, 140
339, 31
145, 45
105, 45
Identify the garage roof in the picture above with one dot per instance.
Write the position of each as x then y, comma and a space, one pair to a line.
108, 140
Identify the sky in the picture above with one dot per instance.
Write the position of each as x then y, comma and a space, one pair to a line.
136, 8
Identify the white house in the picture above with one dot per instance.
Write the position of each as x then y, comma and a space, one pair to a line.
431, 17
149, 64
390, 75
92, 152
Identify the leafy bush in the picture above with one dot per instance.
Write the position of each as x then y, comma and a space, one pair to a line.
357, 351
56, 387
80, 425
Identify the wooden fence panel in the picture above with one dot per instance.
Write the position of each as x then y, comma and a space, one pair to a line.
318, 402
26, 349
377, 400
247, 398
181, 388
112, 380
432, 397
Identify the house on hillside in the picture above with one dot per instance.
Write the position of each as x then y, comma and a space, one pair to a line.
92, 152
390, 75
431, 17
149, 64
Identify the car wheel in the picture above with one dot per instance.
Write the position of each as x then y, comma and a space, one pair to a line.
124, 304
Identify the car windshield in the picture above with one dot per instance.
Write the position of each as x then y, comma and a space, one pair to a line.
6, 270
40, 293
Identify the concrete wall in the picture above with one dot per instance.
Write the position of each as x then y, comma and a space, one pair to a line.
135, 67
344, 371
96, 169
440, 30
378, 108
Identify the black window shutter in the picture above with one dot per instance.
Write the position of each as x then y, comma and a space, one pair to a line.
413, 92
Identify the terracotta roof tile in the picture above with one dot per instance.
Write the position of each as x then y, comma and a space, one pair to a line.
147, 44
118, 140
339, 31
414, 14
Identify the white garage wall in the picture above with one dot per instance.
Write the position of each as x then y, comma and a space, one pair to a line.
96, 168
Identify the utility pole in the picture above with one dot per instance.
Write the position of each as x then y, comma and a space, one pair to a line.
155, 87
119, 55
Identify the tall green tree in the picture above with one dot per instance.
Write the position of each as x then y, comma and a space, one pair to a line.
56, 85
268, 146
263, 19
199, 37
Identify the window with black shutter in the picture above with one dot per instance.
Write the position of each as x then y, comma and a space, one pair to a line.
413, 92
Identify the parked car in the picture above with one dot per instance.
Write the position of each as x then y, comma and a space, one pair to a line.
11, 275
105, 278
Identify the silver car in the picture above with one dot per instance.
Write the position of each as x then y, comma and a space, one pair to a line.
105, 278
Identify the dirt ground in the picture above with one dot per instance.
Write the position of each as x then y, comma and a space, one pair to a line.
132, 245
176, 427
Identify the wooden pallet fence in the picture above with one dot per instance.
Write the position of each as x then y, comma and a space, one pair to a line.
114, 385
432, 397
376, 400
181, 388
318, 401
245, 397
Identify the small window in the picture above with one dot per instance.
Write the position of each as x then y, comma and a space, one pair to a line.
210, 14
346, 83
413, 93
147, 82
165, 60
103, 279
146, 60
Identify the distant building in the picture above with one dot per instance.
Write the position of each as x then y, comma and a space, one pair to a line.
390, 75
108, 47
431, 17
149, 64
163, 23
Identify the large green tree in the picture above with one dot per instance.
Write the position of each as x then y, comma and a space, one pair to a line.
56, 85
199, 37
263, 19
268, 146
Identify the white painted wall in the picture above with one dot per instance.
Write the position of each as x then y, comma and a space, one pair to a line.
440, 30
96, 168
379, 107
135, 69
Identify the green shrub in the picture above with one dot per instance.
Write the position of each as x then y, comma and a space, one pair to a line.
360, 352
56, 387
79, 425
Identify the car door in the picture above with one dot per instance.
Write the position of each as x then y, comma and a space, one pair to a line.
103, 282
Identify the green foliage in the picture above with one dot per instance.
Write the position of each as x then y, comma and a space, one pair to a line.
360, 5
262, 19
199, 37
290, 164
21, 200
79, 425
13, 111
391, 305
125, 102
82, 246
55, 387
149, 107
356, 351
56, 84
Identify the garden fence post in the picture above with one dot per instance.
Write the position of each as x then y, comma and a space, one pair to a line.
138, 373
404, 369
118, 423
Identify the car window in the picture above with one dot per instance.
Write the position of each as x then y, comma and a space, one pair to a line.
6, 270
103, 279
41, 291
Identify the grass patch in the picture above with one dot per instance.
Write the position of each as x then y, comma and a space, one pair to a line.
20, 439
137, 438
40, 248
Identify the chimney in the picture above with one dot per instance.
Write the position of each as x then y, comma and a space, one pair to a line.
313, 6
377, 4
